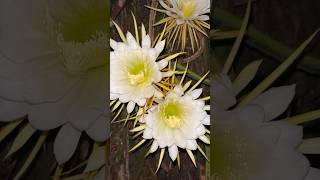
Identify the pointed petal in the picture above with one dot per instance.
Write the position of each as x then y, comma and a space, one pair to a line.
66, 143
192, 145
275, 101
11, 111
154, 146
100, 130
222, 93
313, 174
162, 63
146, 42
160, 46
130, 106
196, 93
173, 152
132, 41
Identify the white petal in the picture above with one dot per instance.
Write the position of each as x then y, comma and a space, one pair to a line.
86, 109
222, 93
130, 106
49, 87
162, 63
147, 134
114, 96
66, 143
21, 37
12, 90
142, 102
154, 146
291, 134
173, 152
83, 119
160, 46
201, 130
50, 115
206, 120
124, 98
164, 5
203, 18
161, 143
180, 21
132, 41
252, 114
196, 93
100, 129
275, 101
146, 42
113, 44
181, 143
192, 144
167, 73
179, 90
10, 111
313, 174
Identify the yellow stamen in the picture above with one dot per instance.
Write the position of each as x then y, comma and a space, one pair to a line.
187, 7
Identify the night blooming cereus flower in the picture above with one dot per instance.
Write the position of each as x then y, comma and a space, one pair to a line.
185, 17
52, 62
177, 121
135, 68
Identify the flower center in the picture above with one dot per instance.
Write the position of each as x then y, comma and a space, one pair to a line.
187, 7
172, 114
139, 71
81, 35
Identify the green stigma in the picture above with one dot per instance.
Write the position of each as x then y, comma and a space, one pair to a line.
172, 114
139, 73
187, 7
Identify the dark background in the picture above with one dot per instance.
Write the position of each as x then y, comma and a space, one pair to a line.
290, 22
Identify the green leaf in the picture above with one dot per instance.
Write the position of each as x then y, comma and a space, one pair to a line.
310, 146
198, 83
303, 118
122, 36
135, 27
219, 35
245, 76
238, 41
278, 71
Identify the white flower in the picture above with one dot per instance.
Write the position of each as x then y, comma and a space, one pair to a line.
54, 68
186, 22
248, 144
186, 10
177, 122
134, 70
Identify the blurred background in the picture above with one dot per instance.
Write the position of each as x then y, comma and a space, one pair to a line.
276, 28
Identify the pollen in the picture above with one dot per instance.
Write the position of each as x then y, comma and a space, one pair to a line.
187, 7
172, 114
138, 71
